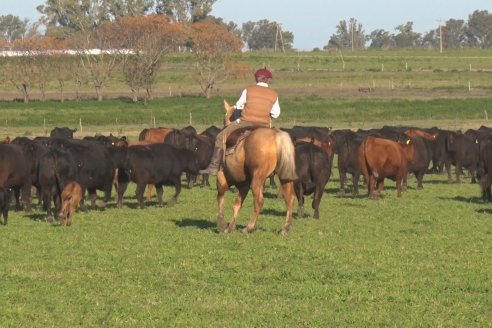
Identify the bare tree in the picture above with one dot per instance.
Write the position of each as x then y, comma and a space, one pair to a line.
144, 41
98, 55
214, 49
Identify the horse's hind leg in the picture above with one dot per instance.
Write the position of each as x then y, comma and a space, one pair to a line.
257, 189
288, 188
236, 207
222, 187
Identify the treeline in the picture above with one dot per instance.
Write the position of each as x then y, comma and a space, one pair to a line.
62, 18
450, 34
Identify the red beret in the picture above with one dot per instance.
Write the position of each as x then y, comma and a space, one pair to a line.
263, 72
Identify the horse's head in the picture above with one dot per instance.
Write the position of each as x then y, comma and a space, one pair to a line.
229, 112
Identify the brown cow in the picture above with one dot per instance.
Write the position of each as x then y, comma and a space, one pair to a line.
382, 158
70, 199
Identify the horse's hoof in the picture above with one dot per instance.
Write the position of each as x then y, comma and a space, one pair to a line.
284, 231
247, 230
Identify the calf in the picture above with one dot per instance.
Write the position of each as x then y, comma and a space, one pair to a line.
70, 199
313, 167
4, 204
382, 158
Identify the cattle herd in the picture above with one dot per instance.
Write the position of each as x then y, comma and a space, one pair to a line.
63, 169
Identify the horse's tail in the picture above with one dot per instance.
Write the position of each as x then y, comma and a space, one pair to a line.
286, 161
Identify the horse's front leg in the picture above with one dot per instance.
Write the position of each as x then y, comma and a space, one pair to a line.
236, 207
288, 188
257, 188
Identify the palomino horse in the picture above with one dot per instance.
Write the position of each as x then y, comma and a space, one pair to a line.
256, 157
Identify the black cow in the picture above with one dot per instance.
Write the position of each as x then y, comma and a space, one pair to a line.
95, 166
64, 133
188, 131
346, 144
33, 151
106, 140
157, 164
461, 151
15, 173
57, 167
211, 131
5, 204
202, 146
313, 167
484, 171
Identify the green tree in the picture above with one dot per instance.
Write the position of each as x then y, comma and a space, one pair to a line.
12, 27
454, 33
406, 37
185, 11
479, 30
266, 35
64, 18
349, 35
133, 8
380, 39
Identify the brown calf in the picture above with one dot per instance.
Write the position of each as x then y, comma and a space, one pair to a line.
70, 199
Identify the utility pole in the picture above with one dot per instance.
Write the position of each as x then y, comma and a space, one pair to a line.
440, 36
352, 32
279, 33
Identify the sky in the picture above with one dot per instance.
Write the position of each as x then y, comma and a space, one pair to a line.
313, 21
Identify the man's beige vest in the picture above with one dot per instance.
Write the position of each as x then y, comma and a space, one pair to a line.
259, 103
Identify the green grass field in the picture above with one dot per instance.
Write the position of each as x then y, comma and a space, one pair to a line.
422, 260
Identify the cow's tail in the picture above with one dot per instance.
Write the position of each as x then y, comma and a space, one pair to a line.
286, 161
58, 180
143, 134
364, 165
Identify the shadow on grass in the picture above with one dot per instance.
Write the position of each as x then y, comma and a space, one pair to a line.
197, 223
484, 211
36, 216
473, 200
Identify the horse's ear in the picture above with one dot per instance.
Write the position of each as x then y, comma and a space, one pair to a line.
227, 107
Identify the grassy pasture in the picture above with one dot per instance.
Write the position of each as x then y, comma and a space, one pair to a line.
423, 260
119, 116
392, 74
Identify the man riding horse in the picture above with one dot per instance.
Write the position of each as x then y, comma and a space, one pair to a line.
258, 104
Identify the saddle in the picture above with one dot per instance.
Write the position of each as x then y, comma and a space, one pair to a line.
237, 136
